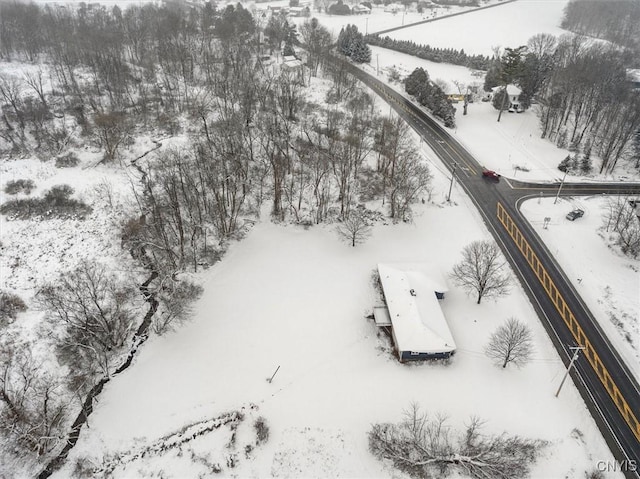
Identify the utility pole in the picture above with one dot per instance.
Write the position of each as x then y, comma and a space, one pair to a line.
576, 350
453, 174
560, 188
366, 26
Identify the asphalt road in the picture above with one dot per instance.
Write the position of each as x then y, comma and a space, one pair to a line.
621, 434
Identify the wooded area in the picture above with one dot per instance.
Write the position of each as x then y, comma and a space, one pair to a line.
618, 22
586, 102
248, 135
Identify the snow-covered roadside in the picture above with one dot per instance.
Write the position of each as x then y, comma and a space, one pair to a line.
607, 281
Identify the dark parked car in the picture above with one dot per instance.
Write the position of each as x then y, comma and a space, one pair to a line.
492, 175
577, 213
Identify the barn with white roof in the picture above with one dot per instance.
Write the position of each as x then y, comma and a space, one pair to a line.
419, 329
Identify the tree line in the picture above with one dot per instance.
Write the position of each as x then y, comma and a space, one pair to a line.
430, 95
351, 43
618, 22
426, 52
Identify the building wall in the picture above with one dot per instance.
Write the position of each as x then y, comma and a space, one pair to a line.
409, 356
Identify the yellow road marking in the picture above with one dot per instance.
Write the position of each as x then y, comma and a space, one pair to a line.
570, 320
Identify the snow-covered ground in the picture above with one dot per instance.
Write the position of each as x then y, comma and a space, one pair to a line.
297, 298
514, 149
607, 281
378, 19
478, 33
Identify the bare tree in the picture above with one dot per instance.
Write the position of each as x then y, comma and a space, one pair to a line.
111, 132
11, 94
317, 41
410, 179
395, 148
542, 45
424, 447
344, 83
91, 312
33, 403
482, 270
355, 229
623, 220
35, 81
510, 343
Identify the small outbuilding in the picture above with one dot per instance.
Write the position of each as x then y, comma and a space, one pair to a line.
412, 292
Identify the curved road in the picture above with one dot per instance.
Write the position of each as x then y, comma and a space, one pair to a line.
608, 388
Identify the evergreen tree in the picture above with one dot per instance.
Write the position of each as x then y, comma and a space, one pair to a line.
360, 51
351, 43
499, 98
415, 81
431, 96
512, 67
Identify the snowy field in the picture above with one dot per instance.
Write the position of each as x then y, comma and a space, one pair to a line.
514, 23
296, 298
378, 19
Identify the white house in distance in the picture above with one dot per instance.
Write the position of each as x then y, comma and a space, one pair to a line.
513, 93
419, 329
394, 8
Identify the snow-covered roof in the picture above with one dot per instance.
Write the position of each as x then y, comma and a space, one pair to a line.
381, 316
418, 322
511, 89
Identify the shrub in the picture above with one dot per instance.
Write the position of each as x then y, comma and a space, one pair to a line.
371, 184
10, 306
19, 186
394, 74
58, 195
56, 203
262, 430
585, 165
67, 161
83, 468
500, 100
569, 164
594, 474
176, 299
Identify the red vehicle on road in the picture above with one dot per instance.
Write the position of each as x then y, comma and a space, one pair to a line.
492, 175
